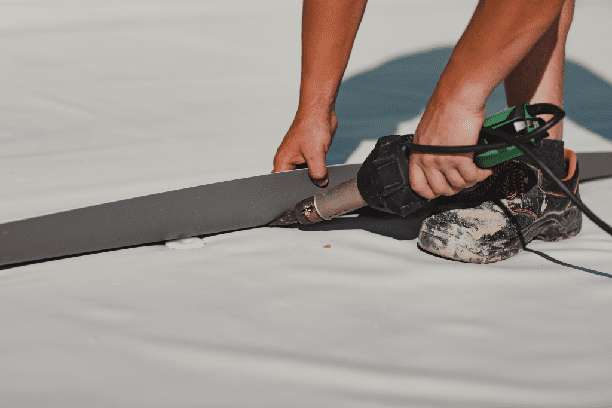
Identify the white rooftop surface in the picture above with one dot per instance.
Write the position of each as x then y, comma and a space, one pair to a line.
102, 101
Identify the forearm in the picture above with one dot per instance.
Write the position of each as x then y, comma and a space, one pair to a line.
328, 32
500, 34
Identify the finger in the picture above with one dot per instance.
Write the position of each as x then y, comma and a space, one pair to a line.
317, 169
418, 182
471, 173
286, 164
455, 180
439, 184
283, 167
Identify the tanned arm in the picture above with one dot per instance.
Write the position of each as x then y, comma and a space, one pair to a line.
500, 34
328, 32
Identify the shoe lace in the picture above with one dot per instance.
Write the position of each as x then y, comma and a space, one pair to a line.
513, 182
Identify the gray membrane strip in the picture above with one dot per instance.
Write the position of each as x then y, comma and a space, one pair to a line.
593, 166
208, 209
188, 212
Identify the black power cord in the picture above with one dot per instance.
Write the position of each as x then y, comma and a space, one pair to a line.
527, 151
520, 143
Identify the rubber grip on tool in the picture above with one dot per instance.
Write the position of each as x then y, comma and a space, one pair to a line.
383, 180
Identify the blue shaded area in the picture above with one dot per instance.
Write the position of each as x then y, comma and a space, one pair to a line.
373, 103
588, 99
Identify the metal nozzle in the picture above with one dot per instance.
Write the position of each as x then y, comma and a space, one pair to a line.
287, 218
324, 205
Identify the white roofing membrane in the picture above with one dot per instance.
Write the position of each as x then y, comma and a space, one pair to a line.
102, 101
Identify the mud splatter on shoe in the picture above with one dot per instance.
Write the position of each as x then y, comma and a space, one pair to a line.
514, 206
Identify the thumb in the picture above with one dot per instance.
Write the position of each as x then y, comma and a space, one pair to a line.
317, 170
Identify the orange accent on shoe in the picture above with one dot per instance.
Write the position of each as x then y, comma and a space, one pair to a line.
520, 210
571, 162
540, 177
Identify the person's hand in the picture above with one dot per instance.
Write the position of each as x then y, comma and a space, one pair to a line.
445, 124
307, 141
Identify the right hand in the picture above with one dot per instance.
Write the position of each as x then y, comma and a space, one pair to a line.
446, 124
307, 141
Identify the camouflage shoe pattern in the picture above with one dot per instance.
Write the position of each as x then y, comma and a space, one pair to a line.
517, 204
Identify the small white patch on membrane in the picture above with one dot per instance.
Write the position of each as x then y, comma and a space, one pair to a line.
186, 243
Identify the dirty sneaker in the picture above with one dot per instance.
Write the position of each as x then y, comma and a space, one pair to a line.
514, 206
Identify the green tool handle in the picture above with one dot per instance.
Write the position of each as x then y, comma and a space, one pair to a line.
496, 153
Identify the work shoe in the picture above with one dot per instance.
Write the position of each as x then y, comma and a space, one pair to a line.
515, 205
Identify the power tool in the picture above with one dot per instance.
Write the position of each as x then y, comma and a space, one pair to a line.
383, 179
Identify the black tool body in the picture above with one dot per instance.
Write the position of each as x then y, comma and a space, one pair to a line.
383, 179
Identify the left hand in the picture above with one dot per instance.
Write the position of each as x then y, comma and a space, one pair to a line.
446, 124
